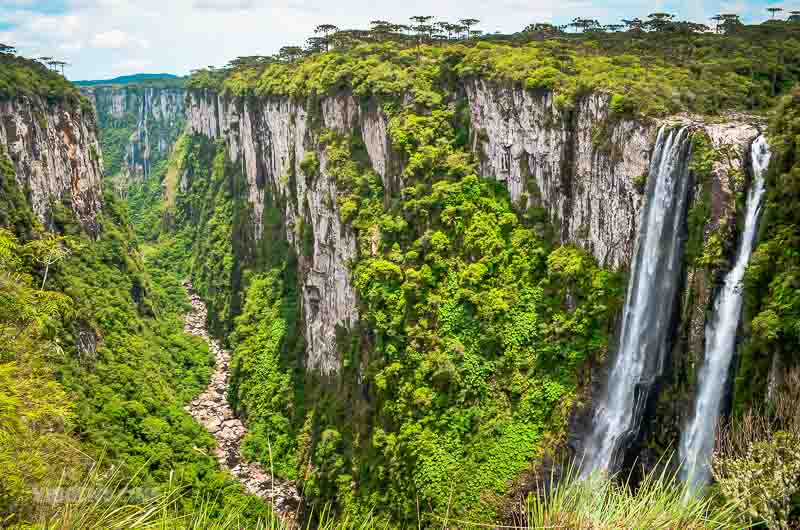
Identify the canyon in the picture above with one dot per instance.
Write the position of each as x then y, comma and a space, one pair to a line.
583, 168
330, 294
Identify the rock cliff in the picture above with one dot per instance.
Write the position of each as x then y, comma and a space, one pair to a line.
56, 156
584, 167
579, 165
270, 139
140, 126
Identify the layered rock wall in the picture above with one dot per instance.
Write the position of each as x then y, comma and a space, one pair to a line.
583, 166
56, 156
580, 165
270, 138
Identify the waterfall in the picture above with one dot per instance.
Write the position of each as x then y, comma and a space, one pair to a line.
697, 440
649, 304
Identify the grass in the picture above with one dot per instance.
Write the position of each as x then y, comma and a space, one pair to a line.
659, 501
103, 501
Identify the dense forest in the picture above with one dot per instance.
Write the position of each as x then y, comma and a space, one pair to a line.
416, 339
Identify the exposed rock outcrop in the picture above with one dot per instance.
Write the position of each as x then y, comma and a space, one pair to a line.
580, 165
56, 156
583, 166
270, 138
211, 409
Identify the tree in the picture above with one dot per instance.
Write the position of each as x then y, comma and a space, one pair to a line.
584, 23
717, 21
316, 44
47, 251
468, 23
421, 28
421, 19
61, 64
326, 30
448, 28
794, 17
248, 61
381, 29
290, 54
635, 25
773, 10
543, 30
659, 21
731, 23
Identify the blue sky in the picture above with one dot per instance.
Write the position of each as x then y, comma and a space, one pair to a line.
106, 38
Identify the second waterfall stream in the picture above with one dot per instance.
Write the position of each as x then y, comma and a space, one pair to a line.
698, 438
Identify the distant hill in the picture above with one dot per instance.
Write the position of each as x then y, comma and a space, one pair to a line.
136, 79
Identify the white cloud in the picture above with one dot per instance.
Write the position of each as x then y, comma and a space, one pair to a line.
133, 65
116, 39
72, 46
224, 4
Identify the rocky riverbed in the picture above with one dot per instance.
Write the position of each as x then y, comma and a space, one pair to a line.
211, 409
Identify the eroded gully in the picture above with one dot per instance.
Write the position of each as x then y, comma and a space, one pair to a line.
211, 409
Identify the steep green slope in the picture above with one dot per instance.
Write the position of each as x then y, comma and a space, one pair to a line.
25, 77
464, 366
773, 277
98, 365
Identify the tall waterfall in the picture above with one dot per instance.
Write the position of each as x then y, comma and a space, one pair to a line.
649, 304
697, 440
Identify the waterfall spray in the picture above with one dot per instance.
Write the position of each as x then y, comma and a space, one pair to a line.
697, 440
649, 304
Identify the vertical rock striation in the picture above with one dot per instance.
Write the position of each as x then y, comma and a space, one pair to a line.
581, 166
56, 156
271, 138
584, 167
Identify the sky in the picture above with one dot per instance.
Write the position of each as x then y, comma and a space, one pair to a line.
107, 38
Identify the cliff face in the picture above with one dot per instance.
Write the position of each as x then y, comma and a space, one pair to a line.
56, 156
140, 126
584, 167
579, 165
270, 139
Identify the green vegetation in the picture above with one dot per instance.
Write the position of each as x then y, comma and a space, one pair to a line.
660, 500
473, 327
114, 142
125, 135
35, 410
26, 77
475, 330
757, 459
772, 280
652, 74
95, 362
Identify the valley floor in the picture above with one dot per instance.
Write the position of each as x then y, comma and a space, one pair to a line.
211, 409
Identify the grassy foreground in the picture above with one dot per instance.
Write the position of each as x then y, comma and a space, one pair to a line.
660, 501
